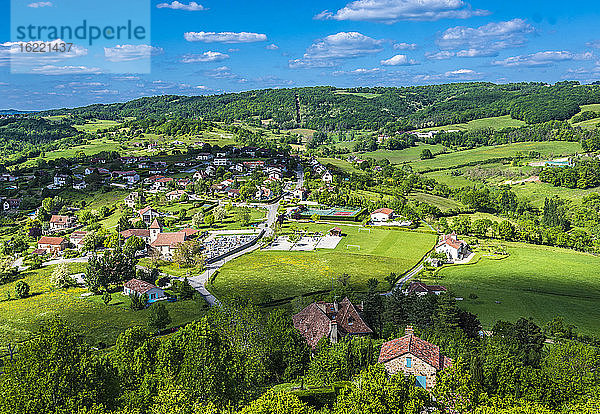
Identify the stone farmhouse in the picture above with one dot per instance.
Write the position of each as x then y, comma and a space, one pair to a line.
414, 356
330, 320
454, 248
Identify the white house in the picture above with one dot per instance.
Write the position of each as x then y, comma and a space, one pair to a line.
60, 180
80, 186
140, 287
148, 214
221, 162
454, 248
382, 214
204, 156
327, 177
175, 195
58, 222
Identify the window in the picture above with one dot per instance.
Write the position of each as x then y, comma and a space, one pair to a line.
408, 362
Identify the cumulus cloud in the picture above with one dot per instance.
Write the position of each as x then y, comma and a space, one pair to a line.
272, 46
391, 11
39, 4
329, 51
547, 58
223, 72
224, 37
398, 60
126, 53
405, 46
11, 52
359, 71
486, 40
594, 43
452, 75
209, 56
175, 5
65, 70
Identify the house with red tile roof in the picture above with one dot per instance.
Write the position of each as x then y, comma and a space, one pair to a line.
148, 214
76, 238
330, 320
452, 247
143, 234
166, 243
140, 287
414, 356
382, 214
52, 245
58, 222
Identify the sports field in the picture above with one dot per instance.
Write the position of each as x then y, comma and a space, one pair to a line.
537, 281
268, 275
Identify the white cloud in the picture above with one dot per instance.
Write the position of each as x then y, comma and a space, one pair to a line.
209, 56
453, 75
39, 4
547, 58
126, 53
391, 11
485, 40
223, 72
65, 70
398, 60
11, 52
272, 46
359, 71
175, 5
594, 43
330, 50
405, 46
224, 37
442, 54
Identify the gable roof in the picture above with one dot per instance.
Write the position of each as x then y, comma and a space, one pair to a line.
314, 321
386, 211
169, 239
420, 287
410, 344
155, 225
139, 286
56, 219
452, 241
53, 241
135, 232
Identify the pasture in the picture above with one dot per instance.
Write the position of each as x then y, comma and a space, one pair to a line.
404, 155
476, 155
94, 126
537, 281
97, 322
270, 275
444, 204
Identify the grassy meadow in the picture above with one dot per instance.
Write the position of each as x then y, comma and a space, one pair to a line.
97, 322
497, 123
267, 275
404, 155
537, 281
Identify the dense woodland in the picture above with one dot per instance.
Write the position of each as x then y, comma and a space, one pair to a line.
396, 109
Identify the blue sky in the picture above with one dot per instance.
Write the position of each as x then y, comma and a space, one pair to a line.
210, 46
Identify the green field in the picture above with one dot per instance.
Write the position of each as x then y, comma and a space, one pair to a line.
445, 161
444, 204
537, 281
497, 122
93, 126
267, 275
361, 94
535, 193
97, 322
341, 164
404, 155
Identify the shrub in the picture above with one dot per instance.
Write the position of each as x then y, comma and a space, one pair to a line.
22, 289
158, 317
138, 302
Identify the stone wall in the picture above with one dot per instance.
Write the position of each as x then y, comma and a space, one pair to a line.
418, 368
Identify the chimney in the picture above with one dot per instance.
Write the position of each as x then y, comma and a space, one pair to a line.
333, 332
409, 330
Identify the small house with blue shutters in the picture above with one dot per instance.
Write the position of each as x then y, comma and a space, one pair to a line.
414, 356
140, 287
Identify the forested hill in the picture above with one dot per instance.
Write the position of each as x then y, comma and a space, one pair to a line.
329, 108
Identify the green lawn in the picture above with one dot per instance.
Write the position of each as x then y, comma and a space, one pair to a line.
535, 193
445, 161
265, 275
361, 94
341, 164
405, 155
537, 281
94, 126
497, 122
20, 318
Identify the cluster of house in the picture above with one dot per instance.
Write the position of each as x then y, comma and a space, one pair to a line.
321, 171
164, 243
409, 354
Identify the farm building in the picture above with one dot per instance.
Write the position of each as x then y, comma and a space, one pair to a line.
454, 248
382, 214
139, 288
421, 289
330, 320
413, 356
52, 245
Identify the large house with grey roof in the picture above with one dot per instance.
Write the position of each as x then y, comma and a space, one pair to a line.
330, 320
